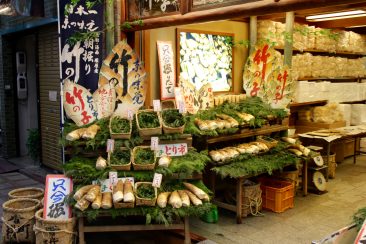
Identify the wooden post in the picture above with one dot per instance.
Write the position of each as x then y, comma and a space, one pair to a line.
109, 15
117, 21
252, 33
239, 200
290, 18
81, 230
187, 234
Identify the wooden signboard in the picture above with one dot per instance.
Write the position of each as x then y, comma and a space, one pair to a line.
140, 9
57, 188
207, 4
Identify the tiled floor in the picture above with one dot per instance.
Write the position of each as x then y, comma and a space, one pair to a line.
312, 218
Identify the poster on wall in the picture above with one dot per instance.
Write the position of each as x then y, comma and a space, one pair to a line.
139, 9
167, 69
265, 76
205, 57
80, 60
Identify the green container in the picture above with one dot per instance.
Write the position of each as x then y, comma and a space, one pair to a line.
212, 216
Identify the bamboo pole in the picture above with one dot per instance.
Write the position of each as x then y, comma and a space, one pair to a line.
253, 32
117, 21
290, 18
109, 15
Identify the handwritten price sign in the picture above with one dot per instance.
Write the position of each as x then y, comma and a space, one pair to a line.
178, 149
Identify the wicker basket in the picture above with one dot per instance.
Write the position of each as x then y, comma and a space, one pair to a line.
290, 175
136, 165
119, 135
18, 220
332, 164
124, 204
171, 130
125, 167
251, 199
166, 104
145, 201
148, 131
47, 230
27, 192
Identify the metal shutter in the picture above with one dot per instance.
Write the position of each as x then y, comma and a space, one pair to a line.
49, 80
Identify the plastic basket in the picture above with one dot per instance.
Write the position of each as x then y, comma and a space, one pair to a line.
277, 195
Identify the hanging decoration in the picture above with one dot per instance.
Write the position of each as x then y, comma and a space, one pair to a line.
123, 69
266, 77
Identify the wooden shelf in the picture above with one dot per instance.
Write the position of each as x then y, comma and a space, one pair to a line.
356, 101
330, 78
318, 102
247, 133
346, 54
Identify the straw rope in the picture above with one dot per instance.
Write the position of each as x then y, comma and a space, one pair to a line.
255, 203
38, 229
15, 229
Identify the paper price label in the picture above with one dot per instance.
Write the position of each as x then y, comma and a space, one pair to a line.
106, 186
318, 160
110, 145
157, 180
157, 105
113, 177
130, 114
154, 143
181, 107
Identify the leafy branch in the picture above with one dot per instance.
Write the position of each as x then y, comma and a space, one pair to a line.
129, 25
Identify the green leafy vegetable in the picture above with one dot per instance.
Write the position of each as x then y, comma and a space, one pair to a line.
359, 217
148, 120
120, 125
144, 156
120, 157
145, 191
173, 118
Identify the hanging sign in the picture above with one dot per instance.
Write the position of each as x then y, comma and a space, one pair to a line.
195, 100
167, 69
178, 149
266, 77
57, 188
138, 9
80, 61
123, 69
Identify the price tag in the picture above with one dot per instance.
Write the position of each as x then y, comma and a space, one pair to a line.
106, 186
154, 143
318, 160
181, 107
110, 145
157, 180
130, 114
113, 177
157, 105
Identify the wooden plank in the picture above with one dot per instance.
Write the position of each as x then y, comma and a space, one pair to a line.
318, 102
224, 205
115, 228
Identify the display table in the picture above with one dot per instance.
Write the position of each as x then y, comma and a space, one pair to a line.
83, 228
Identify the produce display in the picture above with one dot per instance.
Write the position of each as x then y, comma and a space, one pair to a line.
120, 157
172, 118
120, 125
148, 119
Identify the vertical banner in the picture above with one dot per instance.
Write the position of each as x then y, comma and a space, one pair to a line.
80, 61
167, 69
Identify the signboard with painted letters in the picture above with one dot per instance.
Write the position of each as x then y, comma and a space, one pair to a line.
57, 189
167, 69
138, 9
177, 149
80, 61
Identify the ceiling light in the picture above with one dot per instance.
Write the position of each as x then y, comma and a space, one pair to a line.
338, 15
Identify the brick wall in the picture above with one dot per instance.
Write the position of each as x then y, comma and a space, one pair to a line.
7, 102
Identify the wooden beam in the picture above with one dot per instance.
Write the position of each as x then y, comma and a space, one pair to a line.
339, 23
242, 10
253, 32
290, 18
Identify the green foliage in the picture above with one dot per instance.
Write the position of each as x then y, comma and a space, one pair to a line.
34, 144
172, 118
120, 125
81, 36
128, 25
145, 191
148, 120
144, 156
251, 165
120, 157
359, 217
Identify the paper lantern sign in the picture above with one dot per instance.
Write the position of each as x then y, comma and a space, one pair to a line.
57, 188
78, 104
105, 100
167, 69
123, 69
266, 77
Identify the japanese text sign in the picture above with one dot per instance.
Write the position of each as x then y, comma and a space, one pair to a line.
361, 237
167, 69
80, 61
265, 76
57, 188
178, 149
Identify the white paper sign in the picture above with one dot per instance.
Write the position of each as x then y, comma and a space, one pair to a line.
181, 107
130, 114
178, 149
167, 69
157, 105
154, 143
110, 145
113, 177
57, 188
106, 186
157, 180
52, 96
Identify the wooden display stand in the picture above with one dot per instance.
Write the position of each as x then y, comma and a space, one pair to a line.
82, 228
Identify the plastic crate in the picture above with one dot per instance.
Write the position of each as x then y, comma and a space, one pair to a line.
277, 195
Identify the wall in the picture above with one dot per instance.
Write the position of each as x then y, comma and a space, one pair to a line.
240, 30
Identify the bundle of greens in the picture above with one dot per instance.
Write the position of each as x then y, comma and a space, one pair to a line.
120, 157
172, 118
144, 156
120, 125
359, 217
148, 119
145, 191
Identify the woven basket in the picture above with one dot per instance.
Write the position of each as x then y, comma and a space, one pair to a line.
332, 164
166, 104
49, 230
124, 204
172, 130
18, 220
125, 167
144, 201
27, 192
148, 131
136, 165
251, 199
119, 135
290, 175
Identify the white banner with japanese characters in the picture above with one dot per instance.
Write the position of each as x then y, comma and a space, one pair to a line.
167, 69
178, 149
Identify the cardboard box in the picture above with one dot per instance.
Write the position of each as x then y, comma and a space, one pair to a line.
306, 126
345, 149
